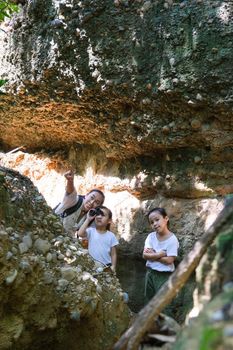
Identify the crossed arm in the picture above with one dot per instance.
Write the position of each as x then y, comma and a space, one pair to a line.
161, 256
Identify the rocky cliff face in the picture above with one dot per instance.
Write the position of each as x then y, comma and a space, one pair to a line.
136, 95
51, 293
141, 88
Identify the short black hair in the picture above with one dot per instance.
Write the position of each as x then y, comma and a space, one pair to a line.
161, 211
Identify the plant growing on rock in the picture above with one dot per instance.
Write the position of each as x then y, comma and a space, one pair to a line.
6, 9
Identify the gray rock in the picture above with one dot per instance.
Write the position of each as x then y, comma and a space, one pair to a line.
3, 234
42, 246
228, 331
68, 253
68, 273
14, 250
49, 257
48, 277
23, 248
9, 230
27, 240
62, 284
10, 279
9, 255
61, 257
57, 23
25, 266
75, 315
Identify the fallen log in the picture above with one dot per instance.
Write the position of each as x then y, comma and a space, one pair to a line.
130, 340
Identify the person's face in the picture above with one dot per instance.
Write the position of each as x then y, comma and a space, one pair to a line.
92, 200
102, 219
158, 222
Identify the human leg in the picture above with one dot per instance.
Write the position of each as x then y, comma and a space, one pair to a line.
153, 282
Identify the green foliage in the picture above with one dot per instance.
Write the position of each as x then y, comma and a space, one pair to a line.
7, 8
211, 338
2, 82
225, 243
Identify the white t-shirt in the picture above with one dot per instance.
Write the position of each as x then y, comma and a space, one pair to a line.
100, 244
170, 245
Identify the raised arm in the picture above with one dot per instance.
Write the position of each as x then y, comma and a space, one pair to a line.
70, 181
82, 232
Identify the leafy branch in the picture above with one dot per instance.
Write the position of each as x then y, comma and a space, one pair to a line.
7, 8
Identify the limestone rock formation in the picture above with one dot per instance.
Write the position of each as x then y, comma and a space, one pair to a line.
51, 294
137, 92
142, 88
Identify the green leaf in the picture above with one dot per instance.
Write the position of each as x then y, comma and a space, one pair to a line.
6, 9
2, 82
5, 14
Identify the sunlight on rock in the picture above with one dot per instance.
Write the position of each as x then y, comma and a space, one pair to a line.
51, 183
124, 205
94, 62
195, 38
197, 307
224, 13
47, 174
210, 210
52, 49
211, 218
201, 186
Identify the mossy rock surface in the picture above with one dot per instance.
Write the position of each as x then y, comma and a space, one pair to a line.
211, 329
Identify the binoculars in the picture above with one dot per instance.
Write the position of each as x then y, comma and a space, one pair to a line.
96, 211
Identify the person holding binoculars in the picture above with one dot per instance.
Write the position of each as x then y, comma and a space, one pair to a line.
73, 208
101, 241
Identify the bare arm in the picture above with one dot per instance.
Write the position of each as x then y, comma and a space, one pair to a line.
82, 232
113, 254
70, 181
150, 254
167, 260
